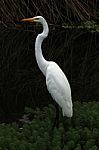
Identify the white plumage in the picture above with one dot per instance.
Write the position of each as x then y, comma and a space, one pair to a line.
56, 81
59, 88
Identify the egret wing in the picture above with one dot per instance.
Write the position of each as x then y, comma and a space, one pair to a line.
59, 88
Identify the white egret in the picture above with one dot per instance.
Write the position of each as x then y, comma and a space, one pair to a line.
56, 81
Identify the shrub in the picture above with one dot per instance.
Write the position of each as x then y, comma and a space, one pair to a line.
79, 132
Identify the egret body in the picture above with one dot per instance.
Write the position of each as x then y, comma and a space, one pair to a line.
56, 81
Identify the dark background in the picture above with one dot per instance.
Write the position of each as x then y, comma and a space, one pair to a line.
76, 50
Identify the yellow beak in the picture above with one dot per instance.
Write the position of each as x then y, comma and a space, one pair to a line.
29, 19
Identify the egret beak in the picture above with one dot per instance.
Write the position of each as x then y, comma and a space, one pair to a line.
29, 19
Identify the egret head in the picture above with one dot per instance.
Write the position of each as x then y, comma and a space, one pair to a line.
41, 20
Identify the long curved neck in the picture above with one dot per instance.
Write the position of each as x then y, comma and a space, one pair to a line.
42, 63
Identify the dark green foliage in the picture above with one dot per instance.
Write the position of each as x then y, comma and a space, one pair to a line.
89, 25
77, 133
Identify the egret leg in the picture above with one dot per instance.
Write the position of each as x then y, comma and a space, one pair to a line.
56, 121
